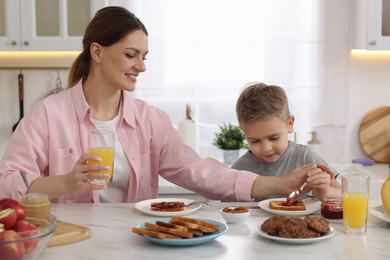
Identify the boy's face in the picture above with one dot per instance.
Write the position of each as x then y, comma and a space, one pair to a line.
268, 138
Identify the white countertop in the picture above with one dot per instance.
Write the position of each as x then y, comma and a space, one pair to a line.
112, 238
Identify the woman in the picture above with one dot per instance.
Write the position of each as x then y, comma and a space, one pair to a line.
52, 137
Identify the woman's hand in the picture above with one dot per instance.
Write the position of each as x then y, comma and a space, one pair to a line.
77, 179
74, 182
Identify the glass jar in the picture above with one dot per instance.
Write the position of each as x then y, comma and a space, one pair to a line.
36, 202
332, 208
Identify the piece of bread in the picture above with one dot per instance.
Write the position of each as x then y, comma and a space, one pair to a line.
282, 205
168, 206
185, 224
194, 224
170, 225
172, 231
196, 232
175, 229
152, 233
212, 226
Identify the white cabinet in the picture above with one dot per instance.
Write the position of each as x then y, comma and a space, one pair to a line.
45, 25
372, 24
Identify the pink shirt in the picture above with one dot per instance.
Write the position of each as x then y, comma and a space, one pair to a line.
53, 135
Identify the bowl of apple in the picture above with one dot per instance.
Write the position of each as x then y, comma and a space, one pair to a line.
24, 234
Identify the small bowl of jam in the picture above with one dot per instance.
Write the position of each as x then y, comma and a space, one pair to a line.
332, 208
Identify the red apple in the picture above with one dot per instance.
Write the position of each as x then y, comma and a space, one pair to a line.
26, 229
11, 250
13, 204
8, 218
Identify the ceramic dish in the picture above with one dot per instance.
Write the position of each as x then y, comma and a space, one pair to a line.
380, 213
312, 205
187, 241
144, 206
234, 218
296, 240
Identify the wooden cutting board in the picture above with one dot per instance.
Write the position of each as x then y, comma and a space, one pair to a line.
67, 233
374, 134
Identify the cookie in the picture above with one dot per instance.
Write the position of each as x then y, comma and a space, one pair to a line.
271, 226
311, 234
317, 224
293, 228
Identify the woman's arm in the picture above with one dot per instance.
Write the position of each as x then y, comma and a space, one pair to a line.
265, 186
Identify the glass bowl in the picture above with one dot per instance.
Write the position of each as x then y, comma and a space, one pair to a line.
29, 244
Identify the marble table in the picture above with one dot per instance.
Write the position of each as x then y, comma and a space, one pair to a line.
112, 238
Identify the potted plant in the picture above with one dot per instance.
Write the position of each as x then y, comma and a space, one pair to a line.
230, 139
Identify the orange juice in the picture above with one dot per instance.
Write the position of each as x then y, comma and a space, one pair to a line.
107, 156
355, 206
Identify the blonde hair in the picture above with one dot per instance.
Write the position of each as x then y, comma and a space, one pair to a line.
260, 101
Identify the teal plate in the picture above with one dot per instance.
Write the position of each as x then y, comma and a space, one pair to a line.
186, 241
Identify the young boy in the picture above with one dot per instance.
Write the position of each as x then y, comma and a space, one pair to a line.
265, 119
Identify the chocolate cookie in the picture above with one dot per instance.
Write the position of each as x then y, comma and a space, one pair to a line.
293, 228
311, 233
317, 224
271, 226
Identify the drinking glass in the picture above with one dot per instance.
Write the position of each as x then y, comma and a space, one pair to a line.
101, 143
355, 186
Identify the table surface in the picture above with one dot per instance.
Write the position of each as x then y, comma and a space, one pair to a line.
112, 238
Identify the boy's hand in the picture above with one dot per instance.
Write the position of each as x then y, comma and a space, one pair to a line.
320, 184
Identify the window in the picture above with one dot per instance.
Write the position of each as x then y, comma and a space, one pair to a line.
202, 52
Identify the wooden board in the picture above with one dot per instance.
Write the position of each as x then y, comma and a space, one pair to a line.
374, 134
67, 233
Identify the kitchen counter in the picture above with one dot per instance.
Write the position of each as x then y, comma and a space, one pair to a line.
112, 238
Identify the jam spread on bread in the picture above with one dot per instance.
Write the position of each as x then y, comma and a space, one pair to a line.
168, 206
282, 205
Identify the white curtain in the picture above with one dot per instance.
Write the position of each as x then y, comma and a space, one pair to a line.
202, 52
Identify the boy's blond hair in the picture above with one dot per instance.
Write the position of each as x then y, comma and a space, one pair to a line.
260, 101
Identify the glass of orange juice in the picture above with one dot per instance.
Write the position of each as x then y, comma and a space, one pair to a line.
102, 143
356, 187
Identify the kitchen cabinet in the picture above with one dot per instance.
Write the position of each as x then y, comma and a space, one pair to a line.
45, 25
372, 24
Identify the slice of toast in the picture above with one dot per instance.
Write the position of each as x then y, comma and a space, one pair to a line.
169, 230
152, 233
195, 232
170, 225
211, 227
282, 205
193, 226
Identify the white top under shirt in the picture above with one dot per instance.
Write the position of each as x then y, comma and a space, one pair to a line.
117, 190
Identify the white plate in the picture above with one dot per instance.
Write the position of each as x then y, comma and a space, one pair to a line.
296, 240
187, 241
312, 205
144, 206
380, 213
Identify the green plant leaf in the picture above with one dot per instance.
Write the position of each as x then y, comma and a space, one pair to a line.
230, 137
